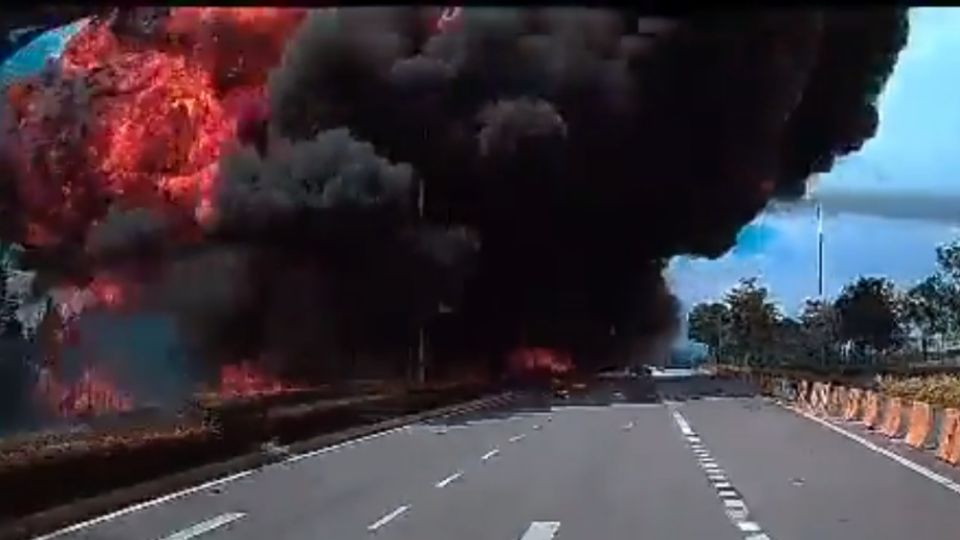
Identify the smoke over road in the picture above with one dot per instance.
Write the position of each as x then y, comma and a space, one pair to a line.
563, 156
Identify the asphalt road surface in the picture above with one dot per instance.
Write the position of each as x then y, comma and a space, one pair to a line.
653, 460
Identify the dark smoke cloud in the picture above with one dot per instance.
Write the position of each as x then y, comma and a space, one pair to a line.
124, 230
572, 150
331, 171
339, 262
586, 147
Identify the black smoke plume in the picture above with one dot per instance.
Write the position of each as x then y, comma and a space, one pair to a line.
572, 151
586, 147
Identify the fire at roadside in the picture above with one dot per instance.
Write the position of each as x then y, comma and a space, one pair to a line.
296, 191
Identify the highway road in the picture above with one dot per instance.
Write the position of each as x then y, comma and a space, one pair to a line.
645, 461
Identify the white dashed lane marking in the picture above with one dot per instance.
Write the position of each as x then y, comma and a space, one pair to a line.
205, 526
490, 454
733, 504
449, 480
375, 526
541, 530
516, 438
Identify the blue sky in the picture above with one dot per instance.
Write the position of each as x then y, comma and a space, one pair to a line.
916, 149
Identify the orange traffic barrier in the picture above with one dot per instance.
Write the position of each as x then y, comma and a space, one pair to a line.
892, 414
814, 396
871, 413
920, 424
949, 447
803, 392
823, 402
851, 408
838, 398
817, 397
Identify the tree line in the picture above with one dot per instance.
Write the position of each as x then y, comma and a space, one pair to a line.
870, 322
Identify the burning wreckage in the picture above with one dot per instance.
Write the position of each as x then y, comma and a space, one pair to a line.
297, 190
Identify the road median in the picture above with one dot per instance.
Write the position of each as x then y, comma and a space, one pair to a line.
116, 477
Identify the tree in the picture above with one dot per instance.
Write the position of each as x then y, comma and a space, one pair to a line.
821, 330
928, 308
790, 338
867, 312
707, 323
10, 325
753, 320
948, 260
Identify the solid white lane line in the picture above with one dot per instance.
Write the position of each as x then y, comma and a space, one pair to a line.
516, 438
490, 454
387, 518
915, 467
207, 485
345, 444
205, 526
141, 506
541, 530
448, 480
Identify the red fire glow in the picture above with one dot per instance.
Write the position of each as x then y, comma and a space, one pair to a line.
448, 17
91, 394
534, 360
131, 124
140, 126
244, 379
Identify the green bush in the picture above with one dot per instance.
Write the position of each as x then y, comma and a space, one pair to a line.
941, 390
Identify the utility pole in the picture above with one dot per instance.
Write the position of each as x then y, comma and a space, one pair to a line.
819, 251
421, 341
823, 344
716, 358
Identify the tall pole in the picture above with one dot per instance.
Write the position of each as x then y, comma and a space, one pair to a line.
819, 251
823, 345
421, 342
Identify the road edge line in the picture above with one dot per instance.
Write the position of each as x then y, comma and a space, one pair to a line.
931, 475
69, 518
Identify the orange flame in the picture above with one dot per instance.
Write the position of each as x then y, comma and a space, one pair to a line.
92, 394
140, 125
135, 124
539, 360
244, 379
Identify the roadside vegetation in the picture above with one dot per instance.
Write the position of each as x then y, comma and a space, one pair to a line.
871, 326
941, 390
